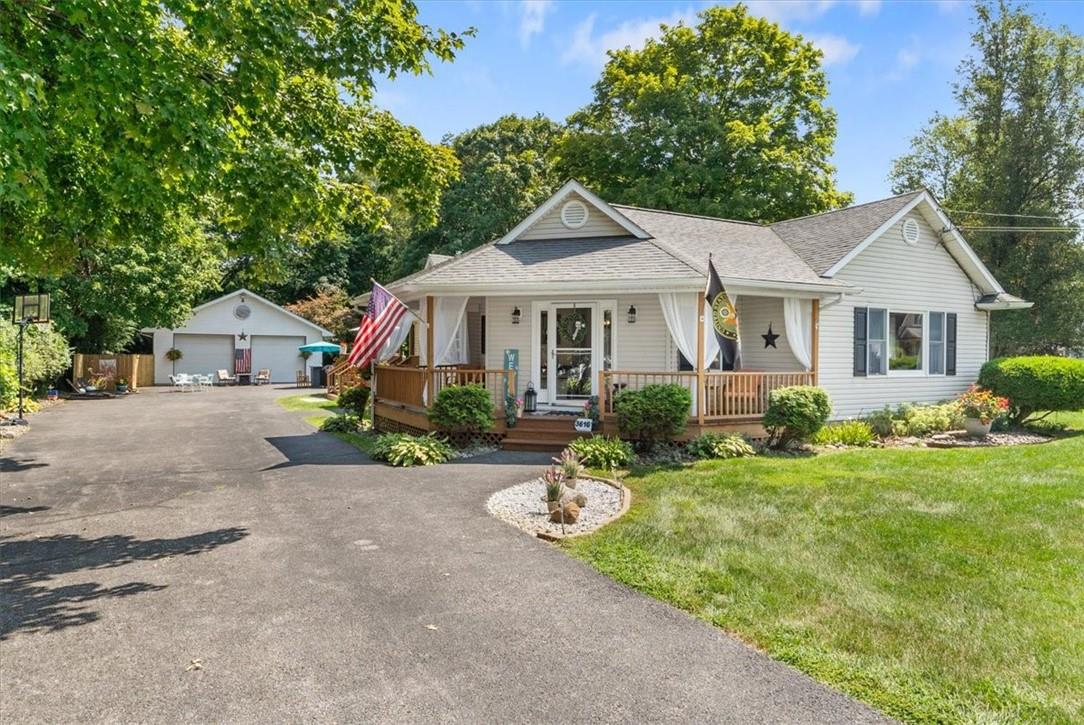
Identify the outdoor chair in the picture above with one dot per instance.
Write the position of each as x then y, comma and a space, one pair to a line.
182, 381
302, 379
224, 378
205, 382
263, 376
80, 390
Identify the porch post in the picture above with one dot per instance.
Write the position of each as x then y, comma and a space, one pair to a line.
429, 358
816, 333
700, 378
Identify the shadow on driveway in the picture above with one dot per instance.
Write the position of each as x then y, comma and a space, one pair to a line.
27, 604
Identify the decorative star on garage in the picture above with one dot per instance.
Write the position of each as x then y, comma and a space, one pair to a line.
770, 337
243, 336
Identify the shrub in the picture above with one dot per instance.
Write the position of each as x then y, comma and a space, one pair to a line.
882, 422
656, 412
354, 400
846, 433
462, 409
719, 445
402, 449
915, 420
602, 452
345, 423
1041, 383
795, 413
45, 356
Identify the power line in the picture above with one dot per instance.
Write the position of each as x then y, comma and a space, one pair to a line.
991, 213
1017, 229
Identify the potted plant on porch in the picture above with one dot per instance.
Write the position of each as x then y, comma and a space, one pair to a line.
980, 408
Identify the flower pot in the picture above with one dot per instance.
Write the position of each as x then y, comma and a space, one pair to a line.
552, 506
122, 389
571, 482
976, 428
52, 394
519, 413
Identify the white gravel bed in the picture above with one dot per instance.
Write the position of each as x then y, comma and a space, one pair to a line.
522, 506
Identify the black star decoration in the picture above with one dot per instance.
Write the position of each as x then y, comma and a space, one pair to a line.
243, 336
770, 338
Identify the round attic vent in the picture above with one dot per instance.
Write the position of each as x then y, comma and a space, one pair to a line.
242, 311
574, 214
910, 231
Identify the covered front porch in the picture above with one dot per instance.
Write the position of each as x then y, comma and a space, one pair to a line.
564, 351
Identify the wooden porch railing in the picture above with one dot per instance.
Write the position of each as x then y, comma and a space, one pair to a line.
727, 395
342, 375
407, 385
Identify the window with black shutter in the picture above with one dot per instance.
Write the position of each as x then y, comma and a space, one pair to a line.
950, 343
860, 340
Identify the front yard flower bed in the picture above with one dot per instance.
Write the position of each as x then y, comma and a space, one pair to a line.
524, 507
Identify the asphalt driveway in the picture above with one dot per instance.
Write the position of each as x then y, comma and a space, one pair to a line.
208, 557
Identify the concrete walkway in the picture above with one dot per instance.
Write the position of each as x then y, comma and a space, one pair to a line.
208, 557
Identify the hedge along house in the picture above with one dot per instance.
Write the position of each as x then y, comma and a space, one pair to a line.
879, 303
217, 330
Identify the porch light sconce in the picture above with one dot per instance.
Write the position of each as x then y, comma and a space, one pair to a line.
516, 314
632, 314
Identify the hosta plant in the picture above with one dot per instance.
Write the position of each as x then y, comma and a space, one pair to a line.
719, 445
401, 449
602, 452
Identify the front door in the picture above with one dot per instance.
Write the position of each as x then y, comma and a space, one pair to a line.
571, 372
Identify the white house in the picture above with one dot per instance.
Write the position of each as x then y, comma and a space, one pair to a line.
241, 320
879, 303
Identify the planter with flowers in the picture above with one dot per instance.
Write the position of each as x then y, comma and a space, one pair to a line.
980, 408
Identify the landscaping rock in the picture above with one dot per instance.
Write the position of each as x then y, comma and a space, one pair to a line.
524, 507
567, 514
578, 497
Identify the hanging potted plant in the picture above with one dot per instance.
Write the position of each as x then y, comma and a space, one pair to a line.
980, 408
173, 354
555, 486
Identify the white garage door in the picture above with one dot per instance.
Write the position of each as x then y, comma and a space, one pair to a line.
203, 354
278, 353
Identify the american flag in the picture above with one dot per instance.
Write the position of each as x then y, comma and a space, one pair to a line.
379, 321
242, 360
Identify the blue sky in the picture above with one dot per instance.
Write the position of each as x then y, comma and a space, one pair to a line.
890, 64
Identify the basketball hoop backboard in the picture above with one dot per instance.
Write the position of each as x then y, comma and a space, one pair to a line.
31, 308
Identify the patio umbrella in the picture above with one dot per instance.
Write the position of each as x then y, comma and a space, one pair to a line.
330, 347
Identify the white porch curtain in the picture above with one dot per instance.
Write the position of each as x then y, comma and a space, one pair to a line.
679, 311
450, 331
798, 322
399, 333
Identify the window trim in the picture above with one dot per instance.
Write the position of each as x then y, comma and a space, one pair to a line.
922, 368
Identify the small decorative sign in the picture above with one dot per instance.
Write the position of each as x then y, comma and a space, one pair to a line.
511, 359
584, 425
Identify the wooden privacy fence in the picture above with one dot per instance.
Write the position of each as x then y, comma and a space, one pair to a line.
407, 385
727, 395
138, 370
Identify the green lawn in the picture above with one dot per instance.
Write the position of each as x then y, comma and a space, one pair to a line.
319, 408
936, 585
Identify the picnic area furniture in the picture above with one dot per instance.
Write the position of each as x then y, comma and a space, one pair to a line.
302, 379
263, 376
224, 378
182, 382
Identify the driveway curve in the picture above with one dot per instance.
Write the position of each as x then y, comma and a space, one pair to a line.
208, 557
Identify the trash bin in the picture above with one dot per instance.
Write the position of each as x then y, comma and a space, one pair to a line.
316, 376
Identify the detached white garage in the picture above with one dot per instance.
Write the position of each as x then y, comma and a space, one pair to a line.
240, 321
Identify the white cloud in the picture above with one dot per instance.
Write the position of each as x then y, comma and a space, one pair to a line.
906, 59
948, 7
837, 49
586, 47
532, 19
869, 8
781, 12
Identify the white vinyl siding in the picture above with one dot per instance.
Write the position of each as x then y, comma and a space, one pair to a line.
643, 345
755, 314
551, 227
896, 276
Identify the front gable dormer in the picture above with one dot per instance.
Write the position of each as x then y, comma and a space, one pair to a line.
573, 212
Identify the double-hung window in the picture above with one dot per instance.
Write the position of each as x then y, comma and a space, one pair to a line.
888, 342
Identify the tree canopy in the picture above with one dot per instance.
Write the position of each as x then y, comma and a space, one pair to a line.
728, 118
133, 131
1010, 160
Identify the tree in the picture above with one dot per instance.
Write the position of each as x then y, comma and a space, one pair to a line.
126, 123
506, 170
1010, 160
330, 308
726, 119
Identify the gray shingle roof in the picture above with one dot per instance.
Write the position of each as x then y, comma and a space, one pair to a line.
824, 239
559, 260
793, 251
738, 249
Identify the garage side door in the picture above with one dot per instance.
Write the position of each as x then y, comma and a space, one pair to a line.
203, 354
280, 354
